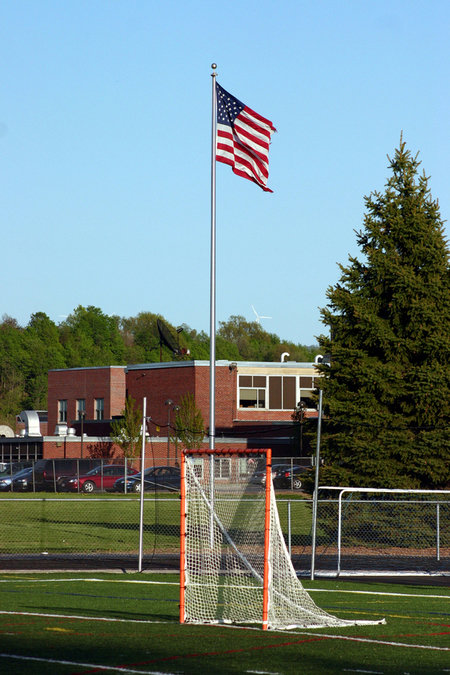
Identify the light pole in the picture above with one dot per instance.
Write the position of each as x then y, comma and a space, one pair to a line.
176, 409
169, 404
325, 360
301, 406
82, 416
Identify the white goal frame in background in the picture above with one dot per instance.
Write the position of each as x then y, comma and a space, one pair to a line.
234, 563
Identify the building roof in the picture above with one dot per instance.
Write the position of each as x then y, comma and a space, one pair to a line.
62, 370
242, 364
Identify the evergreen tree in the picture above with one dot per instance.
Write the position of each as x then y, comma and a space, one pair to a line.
386, 394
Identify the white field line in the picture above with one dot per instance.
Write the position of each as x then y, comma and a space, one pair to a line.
78, 664
387, 643
399, 595
281, 632
175, 583
108, 581
82, 618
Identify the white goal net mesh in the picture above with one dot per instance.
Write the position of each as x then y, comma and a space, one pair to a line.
225, 505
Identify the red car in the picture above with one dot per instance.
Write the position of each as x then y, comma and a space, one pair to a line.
99, 478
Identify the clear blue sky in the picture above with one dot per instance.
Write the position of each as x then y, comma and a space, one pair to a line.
105, 133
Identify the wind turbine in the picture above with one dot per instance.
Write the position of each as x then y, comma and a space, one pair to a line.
259, 316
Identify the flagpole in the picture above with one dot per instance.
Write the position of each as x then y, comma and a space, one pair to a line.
212, 332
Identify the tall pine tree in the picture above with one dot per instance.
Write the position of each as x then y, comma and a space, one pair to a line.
386, 394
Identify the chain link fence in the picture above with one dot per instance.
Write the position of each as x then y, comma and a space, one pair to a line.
90, 474
383, 532
357, 533
376, 537
88, 532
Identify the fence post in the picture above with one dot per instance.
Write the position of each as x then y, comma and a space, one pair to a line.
438, 549
316, 489
289, 527
339, 533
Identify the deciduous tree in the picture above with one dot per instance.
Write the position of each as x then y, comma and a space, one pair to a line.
126, 432
189, 425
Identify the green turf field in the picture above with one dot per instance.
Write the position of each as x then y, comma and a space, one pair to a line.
81, 624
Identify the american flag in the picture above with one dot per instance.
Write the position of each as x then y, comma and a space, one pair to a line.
243, 138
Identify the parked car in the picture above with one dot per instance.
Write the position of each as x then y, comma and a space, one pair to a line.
15, 480
23, 481
155, 478
259, 477
47, 471
290, 477
10, 468
99, 478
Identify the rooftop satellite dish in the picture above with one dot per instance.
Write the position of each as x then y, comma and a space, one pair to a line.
259, 316
169, 340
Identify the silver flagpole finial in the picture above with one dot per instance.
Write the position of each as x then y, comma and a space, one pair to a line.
214, 66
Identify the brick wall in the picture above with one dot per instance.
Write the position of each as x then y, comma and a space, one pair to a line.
89, 383
172, 383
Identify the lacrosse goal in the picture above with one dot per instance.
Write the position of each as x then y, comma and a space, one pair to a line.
234, 564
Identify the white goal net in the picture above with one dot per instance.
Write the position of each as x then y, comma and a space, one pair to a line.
235, 567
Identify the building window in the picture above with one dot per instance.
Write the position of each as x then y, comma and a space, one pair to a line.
222, 468
275, 392
306, 387
81, 408
99, 408
198, 468
62, 410
252, 391
282, 393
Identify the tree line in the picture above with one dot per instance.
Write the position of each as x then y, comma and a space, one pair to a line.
89, 337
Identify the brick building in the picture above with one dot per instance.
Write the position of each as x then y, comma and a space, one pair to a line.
246, 392
94, 394
254, 402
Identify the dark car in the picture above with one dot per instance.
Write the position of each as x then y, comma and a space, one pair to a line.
20, 481
290, 477
47, 471
10, 468
99, 478
155, 478
23, 481
259, 477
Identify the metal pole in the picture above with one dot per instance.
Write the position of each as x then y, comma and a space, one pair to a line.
339, 533
82, 432
141, 496
212, 344
289, 529
212, 328
168, 436
438, 534
316, 488
267, 580
168, 403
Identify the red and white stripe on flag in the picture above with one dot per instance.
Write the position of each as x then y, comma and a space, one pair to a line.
243, 138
